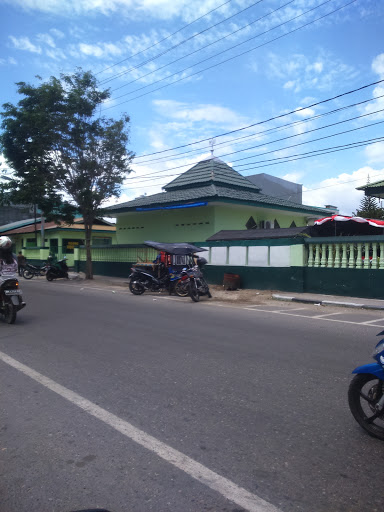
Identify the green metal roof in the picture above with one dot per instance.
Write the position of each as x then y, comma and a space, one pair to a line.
212, 193
213, 180
371, 185
211, 171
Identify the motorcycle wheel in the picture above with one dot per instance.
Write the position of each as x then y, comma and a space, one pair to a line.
182, 289
193, 291
49, 275
136, 287
27, 274
364, 392
10, 313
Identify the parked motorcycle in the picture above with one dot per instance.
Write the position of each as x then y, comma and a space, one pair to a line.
142, 280
11, 300
198, 286
366, 394
31, 271
57, 270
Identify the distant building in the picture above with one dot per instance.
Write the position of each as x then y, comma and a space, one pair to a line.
277, 187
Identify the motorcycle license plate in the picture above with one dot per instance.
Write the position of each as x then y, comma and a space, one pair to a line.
12, 292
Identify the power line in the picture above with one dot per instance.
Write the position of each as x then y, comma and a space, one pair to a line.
176, 46
165, 38
279, 128
299, 156
265, 120
196, 51
215, 55
157, 173
235, 56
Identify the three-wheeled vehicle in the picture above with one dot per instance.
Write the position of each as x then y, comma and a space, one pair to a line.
176, 268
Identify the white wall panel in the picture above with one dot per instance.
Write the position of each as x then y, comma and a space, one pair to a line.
218, 256
258, 256
280, 256
237, 255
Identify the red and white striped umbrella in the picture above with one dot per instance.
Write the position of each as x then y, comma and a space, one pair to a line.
344, 218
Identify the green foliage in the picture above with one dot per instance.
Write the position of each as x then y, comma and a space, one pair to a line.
65, 156
369, 208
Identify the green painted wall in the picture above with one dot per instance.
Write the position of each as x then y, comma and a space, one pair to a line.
236, 217
188, 224
350, 282
192, 224
259, 278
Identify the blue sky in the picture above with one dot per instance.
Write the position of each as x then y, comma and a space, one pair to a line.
279, 62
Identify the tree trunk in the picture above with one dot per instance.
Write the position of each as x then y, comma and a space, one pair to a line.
88, 223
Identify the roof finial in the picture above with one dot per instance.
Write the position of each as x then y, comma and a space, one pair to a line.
212, 142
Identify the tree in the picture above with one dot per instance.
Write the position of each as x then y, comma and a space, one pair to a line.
369, 208
66, 158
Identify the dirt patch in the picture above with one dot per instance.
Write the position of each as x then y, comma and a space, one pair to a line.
241, 296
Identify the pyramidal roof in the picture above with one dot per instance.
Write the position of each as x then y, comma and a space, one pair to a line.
209, 172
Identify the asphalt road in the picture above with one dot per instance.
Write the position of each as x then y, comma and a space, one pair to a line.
143, 404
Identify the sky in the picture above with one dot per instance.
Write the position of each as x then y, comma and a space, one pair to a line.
282, 87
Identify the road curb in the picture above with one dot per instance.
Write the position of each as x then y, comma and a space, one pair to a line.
326, 302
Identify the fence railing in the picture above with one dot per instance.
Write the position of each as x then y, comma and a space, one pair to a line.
349, 254
117, 254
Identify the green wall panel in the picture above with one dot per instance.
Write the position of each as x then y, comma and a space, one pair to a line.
259, 278
112, 269
346, 282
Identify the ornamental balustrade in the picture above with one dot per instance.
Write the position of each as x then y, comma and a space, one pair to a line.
349, 254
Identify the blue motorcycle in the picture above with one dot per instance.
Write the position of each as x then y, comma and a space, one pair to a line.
366, 394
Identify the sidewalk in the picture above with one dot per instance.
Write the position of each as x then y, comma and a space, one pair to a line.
255, 297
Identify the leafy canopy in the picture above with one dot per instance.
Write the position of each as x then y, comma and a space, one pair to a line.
65, 156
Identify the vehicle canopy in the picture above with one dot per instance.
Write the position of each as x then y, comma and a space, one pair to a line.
181, 248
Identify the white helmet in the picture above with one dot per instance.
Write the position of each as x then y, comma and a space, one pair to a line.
5, 242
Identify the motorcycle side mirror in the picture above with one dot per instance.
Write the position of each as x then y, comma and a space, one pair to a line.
380, 333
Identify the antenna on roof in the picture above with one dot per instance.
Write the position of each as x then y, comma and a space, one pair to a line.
212, 142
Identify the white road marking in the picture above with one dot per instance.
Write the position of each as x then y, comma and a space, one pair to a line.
370, 321
311, 317
218, 483
327, 314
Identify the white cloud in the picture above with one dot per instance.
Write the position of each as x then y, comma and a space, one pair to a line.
199, 113
341, 190
378, 65
100, 50
300, 73
23, 43
57, 33
160, 9
375, 153
46, 39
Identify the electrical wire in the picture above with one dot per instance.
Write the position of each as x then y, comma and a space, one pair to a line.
165, 38
157, 173
235, 56
213, 56
299, 156
196, 51
295, 111
240, 140
125, 72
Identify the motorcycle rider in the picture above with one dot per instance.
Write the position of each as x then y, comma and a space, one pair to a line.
8, 263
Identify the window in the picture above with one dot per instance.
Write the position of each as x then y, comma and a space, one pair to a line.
30, 242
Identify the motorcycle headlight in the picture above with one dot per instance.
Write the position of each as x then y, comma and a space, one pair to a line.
378, 349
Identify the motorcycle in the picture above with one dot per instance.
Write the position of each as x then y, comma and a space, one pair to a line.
57, 270
30, 271
11, 300
366, 394
197, 285
178, 255
142, 280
